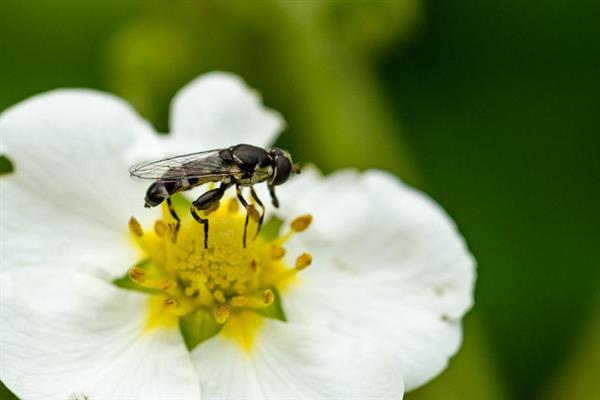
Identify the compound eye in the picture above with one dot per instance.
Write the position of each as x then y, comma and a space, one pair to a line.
283, 169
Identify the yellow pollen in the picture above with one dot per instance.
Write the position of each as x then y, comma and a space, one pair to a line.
303, 261
137, 275
221, 313
228, 281
135, 228
301, 223
239, 301
268, 297
253, 213
277, 252
169, 303
160, 228
233, 206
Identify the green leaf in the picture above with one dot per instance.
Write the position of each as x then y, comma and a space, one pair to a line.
197, 327
6, 394
6, 166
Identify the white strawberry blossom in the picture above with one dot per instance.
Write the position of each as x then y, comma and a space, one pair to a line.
377, 313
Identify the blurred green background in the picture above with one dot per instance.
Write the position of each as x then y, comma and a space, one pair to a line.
491, 107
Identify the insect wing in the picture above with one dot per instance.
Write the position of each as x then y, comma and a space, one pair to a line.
206, 164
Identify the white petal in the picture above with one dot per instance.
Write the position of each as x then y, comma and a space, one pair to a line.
68, 202
293, 362
72, 334
218, 110
387, 263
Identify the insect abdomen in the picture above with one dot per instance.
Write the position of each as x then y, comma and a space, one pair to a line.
160, 191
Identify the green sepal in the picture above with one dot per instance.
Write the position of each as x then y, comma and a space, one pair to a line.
198, 326
181, 204
270, 229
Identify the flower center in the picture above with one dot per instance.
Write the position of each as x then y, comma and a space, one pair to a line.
226, 281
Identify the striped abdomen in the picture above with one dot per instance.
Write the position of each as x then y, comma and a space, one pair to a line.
159, 191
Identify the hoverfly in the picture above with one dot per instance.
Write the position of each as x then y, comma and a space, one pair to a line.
240, 166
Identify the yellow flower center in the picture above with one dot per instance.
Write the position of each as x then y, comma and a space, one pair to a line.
225, 285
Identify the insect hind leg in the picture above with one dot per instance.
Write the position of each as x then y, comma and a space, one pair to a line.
207, 201
204, 222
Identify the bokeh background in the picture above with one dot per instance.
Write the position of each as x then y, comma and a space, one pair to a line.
491, 107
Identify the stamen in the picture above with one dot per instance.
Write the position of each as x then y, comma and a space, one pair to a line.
265, 299
160, 228
227, 280
219, 296
277, 252
239, 301
177, 308
137, 275
301, 223
253, 213
173, 232
221, 313
268, 297
303, 261
233, 206
135, 228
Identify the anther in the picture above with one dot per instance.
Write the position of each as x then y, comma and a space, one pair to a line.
268, 297
137, 275
160, 228
253, 213
221, 313
169, 303
173, 232
303, 261
277, 252
233, 206
168, 285
253, 265
301, 223
218, 295
135, 228
239, 301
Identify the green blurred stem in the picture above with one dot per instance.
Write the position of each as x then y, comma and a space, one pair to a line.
342, 98
578, 379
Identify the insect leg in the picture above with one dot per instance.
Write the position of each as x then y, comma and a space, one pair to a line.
245, 204
262, 210
204, 222
205, 202
274, 199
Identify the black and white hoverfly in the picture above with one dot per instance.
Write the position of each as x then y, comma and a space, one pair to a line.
241, 165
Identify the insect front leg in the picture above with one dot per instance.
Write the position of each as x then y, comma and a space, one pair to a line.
262, 210
207, 201
274, 199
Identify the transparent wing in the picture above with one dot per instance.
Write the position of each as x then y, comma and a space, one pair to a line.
205, 164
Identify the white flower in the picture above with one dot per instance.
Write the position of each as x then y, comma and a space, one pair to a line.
378, 311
